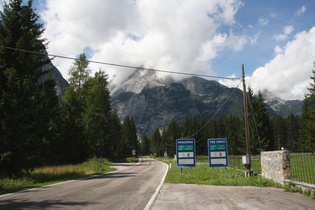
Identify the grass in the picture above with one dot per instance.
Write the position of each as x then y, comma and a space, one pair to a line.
202, 174
235, 161
53, 174
303, 167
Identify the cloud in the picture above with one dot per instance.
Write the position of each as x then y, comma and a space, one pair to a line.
287, 30
182, 36
287, 75
263, 21
300, 11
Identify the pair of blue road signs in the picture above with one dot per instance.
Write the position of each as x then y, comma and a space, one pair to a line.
186, 152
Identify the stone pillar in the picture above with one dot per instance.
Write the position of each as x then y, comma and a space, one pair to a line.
276, 165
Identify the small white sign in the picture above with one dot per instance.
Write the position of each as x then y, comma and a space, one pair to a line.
219, 161
218, 154
185, 154
185, 161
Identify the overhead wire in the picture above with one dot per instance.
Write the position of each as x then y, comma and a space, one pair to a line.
141, 68
216, 111
121, 65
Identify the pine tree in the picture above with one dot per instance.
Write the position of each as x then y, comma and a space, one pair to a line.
116, 137
173, 132
20, 97
233, 125
279, 133
97, 114
155, 143
76, 148
130, 136
307, 136
293, 130
145, 146
260, 124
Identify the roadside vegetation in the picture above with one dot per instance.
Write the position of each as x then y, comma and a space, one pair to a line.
203, 174
231, 176
53, 174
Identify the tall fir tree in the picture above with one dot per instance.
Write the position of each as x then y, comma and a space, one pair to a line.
260, 124
75, 145
130, 136
293, 123
97, 115
232, 127
307, 136
21, 103
155, 143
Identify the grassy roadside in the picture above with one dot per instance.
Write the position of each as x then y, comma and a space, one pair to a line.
202, 174
53, 174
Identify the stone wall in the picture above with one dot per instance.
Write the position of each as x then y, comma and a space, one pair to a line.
276, 165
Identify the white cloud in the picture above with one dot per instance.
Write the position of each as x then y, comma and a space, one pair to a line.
263, 21
278, 50
287, 75
300, 11
181, 36
287, 30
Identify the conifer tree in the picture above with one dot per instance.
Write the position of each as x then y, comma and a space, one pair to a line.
155, 143
307, 136
97, 115
75, 146
130, 136
260, 124
21, 103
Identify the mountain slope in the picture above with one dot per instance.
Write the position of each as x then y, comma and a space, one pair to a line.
153, 102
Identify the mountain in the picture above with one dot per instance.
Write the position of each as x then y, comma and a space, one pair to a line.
55, 74
154, 102
282, 107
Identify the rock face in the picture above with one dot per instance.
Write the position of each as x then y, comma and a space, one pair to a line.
282, 107
154, 102
55, 74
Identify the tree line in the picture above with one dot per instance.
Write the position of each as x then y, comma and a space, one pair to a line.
294, 132
37, 127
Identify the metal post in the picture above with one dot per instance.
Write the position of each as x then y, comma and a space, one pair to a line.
212, 173
248, 166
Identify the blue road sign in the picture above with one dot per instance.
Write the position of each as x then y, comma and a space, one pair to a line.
218, 153
185, 153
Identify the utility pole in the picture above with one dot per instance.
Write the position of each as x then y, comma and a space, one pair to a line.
247, 160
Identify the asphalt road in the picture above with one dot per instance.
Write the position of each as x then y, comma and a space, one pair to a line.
130, 187
204, 197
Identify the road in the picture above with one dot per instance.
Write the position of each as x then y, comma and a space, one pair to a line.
204, 197
130, 187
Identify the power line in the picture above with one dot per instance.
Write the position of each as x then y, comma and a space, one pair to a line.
121, 65
216, 111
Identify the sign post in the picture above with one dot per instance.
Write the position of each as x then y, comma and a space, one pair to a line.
218, 153
185, 153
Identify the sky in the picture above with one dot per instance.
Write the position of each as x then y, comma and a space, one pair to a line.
275, 40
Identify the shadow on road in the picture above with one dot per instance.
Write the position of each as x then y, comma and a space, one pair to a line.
111, 176
25, 204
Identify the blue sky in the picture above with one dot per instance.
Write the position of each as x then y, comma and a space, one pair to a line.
266, 19
274, 39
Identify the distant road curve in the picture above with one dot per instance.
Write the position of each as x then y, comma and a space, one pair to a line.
130, 187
